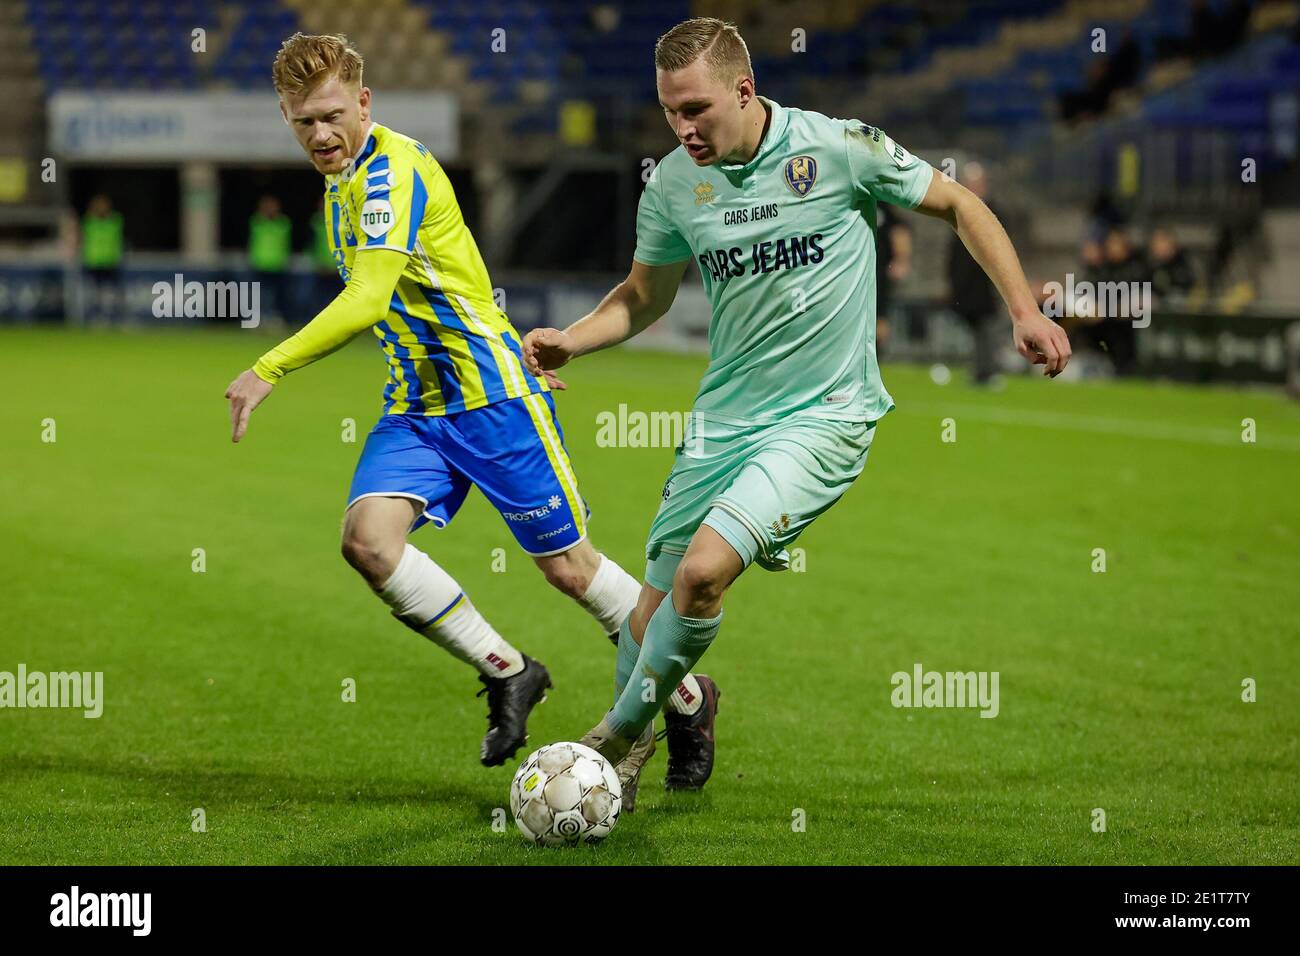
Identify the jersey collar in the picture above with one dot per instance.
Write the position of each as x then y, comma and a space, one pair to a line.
367, 150
775, 133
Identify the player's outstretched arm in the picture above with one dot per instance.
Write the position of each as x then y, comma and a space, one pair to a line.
360, 305
1037, 337
630, 308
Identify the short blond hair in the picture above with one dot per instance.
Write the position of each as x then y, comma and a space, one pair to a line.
718, 41
306, 61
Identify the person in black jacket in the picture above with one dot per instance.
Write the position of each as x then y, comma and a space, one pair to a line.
893, 264
970, 293
1172, 275
1115, 334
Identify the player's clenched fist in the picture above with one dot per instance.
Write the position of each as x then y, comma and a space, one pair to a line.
1043, 342
245, 394
546, 349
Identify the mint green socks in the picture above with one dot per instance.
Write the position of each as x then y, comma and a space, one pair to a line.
645, 681
628, 651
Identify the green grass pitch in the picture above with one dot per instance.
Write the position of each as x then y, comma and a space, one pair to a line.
1119, 690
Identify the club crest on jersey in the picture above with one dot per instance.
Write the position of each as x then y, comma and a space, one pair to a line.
800, 174
704, 194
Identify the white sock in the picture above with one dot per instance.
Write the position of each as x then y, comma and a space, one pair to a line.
687, 698
610, 598
427, 599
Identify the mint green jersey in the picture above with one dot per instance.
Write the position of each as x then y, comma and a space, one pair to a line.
787, 250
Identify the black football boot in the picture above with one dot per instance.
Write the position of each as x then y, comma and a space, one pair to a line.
510, 700
690, 741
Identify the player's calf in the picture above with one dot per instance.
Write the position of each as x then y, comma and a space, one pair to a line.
428, 600
574, 572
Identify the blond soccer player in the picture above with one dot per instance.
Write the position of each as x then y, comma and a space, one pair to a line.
460, 409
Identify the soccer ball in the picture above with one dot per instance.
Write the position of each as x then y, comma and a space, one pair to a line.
565, 794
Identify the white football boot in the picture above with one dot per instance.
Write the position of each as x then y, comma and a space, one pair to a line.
627, 756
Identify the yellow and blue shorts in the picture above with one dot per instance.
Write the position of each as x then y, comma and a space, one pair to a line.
513, 451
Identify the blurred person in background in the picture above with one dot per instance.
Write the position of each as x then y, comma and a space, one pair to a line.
1127, 265
1210, 29
1125, 67
101, 256
1105, 76
971, 293
1239, 244
270, 245
1171, 272
1092, 98
1105, 343
893, 264
1203, 36
1094, 260
1103, 215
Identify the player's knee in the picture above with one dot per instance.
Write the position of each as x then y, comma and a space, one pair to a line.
372, 557
699, 582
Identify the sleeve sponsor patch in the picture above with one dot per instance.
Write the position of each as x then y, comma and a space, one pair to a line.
376, 217
901, 157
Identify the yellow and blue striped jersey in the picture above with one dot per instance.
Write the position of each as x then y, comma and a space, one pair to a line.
449, 347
